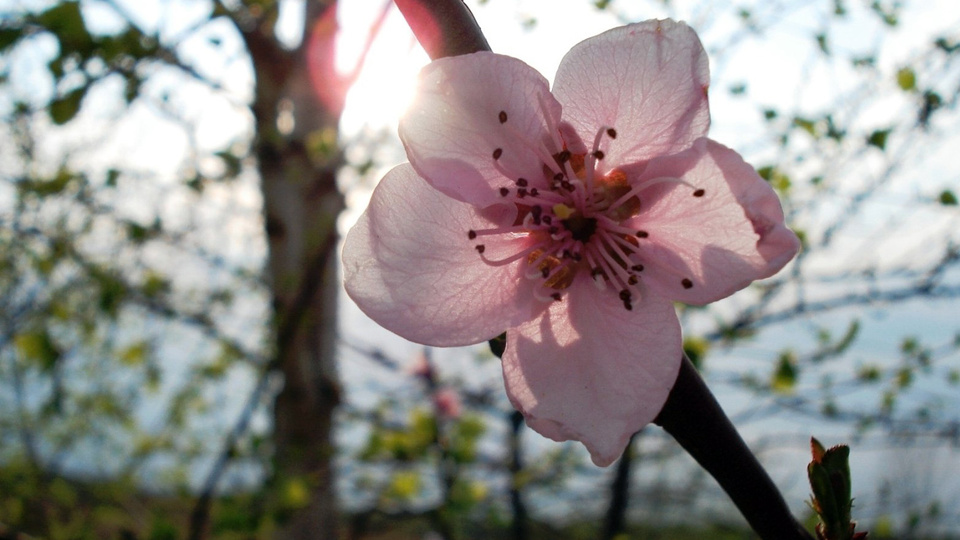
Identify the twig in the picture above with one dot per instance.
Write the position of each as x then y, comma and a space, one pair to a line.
694, 418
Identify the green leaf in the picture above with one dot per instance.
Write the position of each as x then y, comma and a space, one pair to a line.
907, 79
155, 285
231, 162
38, 347
780, 181
785, 374
696, 349
887, 14
879, 138
112, 176
829, 474
66, 22
135, 354
807, 125
404, 485
947, 198
132, 88
64, 108
822, 43
9, 36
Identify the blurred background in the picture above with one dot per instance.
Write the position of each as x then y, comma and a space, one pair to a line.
177, 359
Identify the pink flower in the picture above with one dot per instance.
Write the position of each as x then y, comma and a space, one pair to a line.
447, 403
572, 219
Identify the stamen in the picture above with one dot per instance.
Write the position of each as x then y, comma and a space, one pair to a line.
513, 258
536, 149
497, 152
645, 185
699, 193
473, 233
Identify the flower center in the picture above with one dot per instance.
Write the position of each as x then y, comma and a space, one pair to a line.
573, 217
581, 228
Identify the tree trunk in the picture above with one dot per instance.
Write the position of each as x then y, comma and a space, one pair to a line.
298, 164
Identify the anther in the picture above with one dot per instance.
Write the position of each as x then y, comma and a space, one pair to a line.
503, 117
598, 154
699, 193
686, 283
642, 234
481, 248
497, 153
504, 192
521, 193
555, 296
612, 133
633, 280
471, 234
558, 177
637, 268
534, 192
563, 156
522, 182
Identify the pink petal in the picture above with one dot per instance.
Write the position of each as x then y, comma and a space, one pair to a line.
409, 265
465, 109
589, 370
703, 248
648, 81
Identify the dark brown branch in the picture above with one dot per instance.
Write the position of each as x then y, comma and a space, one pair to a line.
443, 27
695, 419
620, 494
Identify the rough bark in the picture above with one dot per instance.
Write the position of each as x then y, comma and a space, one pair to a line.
301, 204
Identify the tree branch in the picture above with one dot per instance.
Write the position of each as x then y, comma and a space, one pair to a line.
443, 27
694, 418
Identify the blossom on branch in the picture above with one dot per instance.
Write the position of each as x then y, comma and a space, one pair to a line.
572, 219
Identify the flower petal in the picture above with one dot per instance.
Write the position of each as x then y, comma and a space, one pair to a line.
716, 232
466, 108
409, 265
589, 370
648, 81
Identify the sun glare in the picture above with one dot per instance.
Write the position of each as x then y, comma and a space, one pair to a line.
391, 61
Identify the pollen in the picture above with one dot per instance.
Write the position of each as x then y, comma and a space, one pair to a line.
562, 211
